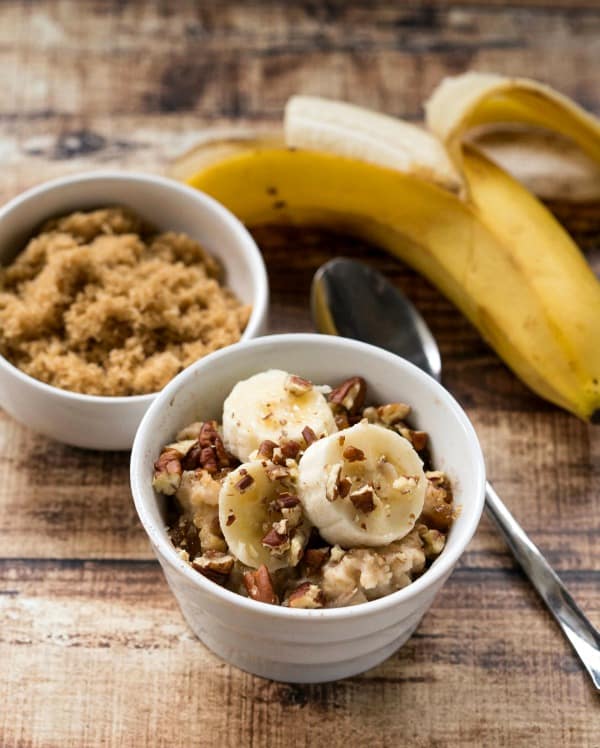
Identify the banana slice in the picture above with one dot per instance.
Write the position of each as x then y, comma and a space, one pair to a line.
362, 486
261, 517
275, 406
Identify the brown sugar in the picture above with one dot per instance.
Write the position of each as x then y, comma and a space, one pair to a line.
100, 303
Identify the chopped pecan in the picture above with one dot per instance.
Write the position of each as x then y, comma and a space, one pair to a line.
277, 539
207, 434
363, 499
245, 481
344, 486
336, 485
266, 449
350, 394
260, 586
417, 438
307, 595
341, 421
314, 558
288, 504
208, 459
437, 508
277, 472
332, 491
223, 456
184, 535
192, 460
308, 435
353, 454
285, 500
290, 448
392, 412
214, 565
297, 385
167, 472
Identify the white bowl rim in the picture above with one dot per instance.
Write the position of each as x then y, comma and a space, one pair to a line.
258, 270
140, 484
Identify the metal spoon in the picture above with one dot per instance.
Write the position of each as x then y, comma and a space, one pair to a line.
353, 300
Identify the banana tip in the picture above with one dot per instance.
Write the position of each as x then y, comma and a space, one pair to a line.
595, 417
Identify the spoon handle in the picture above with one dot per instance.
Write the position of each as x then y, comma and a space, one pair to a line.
584, 637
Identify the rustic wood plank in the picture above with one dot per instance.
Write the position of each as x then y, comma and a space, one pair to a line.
95, 651
243, 60
103, 657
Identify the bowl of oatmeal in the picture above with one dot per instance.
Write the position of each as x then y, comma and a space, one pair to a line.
110, 284
306, 496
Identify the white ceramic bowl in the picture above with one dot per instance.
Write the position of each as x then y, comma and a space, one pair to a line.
111, 422
307, 645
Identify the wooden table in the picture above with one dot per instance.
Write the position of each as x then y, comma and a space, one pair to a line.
94, 651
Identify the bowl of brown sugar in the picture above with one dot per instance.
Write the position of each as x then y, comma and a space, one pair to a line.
111, 284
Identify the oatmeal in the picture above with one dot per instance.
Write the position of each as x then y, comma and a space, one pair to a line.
100, 303
305, 496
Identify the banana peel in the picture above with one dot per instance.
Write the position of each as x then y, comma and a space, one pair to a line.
465, 102
484, 240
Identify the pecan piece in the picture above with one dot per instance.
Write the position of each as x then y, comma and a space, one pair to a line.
288, 504
277, 539
245, 481
363, 499
285, 500
332, 491
353, 454
314, 558
417, 438
260, 586
207, 434
391, 413
192, 460
307, 595
297, 385
350, 394
337, 486
437, 509
208, 460
277, 472
308, 435
266, 448
184, 535
341, 421
223, 456
290, 449
167, 472
214, 565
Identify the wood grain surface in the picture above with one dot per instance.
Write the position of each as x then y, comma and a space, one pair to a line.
94, 650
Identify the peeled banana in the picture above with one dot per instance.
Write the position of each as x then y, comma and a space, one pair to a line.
275, 406
362, 486
469, 227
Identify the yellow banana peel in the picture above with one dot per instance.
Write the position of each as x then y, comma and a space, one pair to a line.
462, 103
494, 250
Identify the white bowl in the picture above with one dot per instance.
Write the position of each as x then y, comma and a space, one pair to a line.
307, 645
110, 422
